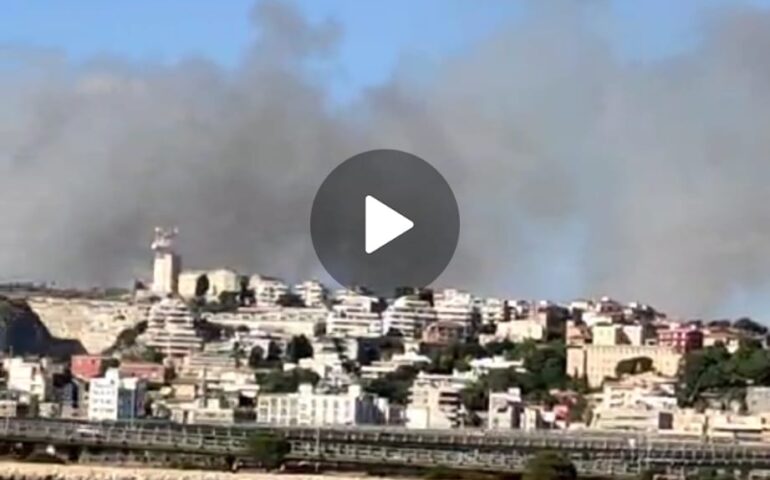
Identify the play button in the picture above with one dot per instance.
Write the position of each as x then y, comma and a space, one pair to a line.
384, 219
383, 224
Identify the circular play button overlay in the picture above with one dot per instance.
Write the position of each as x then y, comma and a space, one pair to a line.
385, 219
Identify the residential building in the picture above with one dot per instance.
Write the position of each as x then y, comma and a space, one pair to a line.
267, 290
597, 362
355, 317
757, 399
312, 292
505, 410
408, 315
682, 338
316, 408
171, 328
219, 281
167, 263
29, 376
434, 403
519, 330
114, 398
444, 332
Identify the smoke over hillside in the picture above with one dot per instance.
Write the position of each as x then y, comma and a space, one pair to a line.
576, 173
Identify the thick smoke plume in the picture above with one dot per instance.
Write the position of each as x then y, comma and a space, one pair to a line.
577, 173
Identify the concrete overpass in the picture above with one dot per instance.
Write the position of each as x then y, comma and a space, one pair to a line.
592, 452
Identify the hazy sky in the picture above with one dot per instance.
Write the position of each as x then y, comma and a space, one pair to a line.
596, 147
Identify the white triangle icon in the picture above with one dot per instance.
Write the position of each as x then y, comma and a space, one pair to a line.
383, 224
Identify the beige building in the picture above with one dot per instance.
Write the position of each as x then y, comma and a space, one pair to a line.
597, 362
220, 280
434, 402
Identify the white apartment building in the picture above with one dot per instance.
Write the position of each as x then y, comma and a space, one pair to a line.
354, 317
312, 292
520, 330
112, 398
28, 376
171, 328
286, 321
409, 315
454, 305
166, 266
433, 403
310, 407
267, 290
492, 310
505, 410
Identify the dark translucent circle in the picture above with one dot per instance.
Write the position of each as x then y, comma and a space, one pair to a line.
405, 183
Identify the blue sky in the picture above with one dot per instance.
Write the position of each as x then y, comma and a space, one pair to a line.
377, 33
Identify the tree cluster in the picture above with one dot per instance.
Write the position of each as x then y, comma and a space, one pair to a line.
713, 370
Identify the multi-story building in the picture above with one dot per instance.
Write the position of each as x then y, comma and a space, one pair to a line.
409, 315
758, 399
519, 330
605, 310
114, 398
219, 281
433, 403
682, 338
167, 263
31, 377
505, 410
355, 317
597, 362
171, 328
454, 305
312, 292
444, 332
267, 290
311, 407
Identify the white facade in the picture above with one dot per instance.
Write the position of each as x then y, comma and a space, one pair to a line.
309, 407
170, 328
433, 404
28, 376
505, 410
454, 305
220, 280
312, 292
114, 398
354, 317
166, 265
275, 320
267, 290
409, 315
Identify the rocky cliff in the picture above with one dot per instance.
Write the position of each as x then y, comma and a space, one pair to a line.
22, 333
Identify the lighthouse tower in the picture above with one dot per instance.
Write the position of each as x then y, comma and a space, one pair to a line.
165, 271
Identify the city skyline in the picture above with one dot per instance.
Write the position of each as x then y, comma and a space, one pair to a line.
601, 147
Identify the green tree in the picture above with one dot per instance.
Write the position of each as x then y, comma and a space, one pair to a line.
279, 381
549, 466
298, 347
269, 450
395, 385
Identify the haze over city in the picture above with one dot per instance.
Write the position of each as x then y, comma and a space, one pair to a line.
594, 148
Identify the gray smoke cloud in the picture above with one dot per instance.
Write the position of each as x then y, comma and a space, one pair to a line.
576, 173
